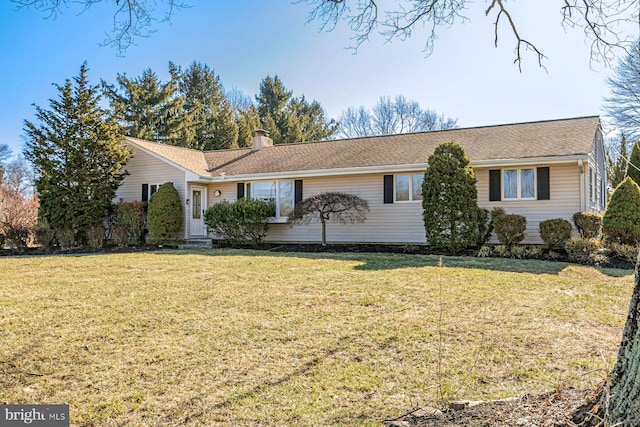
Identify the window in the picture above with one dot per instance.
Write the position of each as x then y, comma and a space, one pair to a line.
519, 183
148, 190
278, 193
408, 187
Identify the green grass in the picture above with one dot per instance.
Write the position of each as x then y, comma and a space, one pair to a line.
242, 338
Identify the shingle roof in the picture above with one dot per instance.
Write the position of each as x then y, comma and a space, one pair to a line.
553, 138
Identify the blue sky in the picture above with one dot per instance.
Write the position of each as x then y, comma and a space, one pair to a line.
246, 40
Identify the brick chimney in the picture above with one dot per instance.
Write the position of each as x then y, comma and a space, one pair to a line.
261, 139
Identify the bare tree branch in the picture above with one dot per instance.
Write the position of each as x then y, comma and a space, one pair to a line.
131, 18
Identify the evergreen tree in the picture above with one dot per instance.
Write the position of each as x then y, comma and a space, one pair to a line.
617, 169
248, 121
621, 220
164, 215
150, 109
450, 199
633, 168
78, 155
289, 119
210, 113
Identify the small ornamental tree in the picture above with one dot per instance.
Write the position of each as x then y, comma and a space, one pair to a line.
621, 221
450, 199
339, 207
164, 216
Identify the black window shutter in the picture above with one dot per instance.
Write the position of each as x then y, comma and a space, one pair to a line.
495, 186
543, 184
145, 192
297, 198
240, 190
388, 188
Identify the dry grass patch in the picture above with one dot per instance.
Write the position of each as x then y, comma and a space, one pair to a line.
253, 338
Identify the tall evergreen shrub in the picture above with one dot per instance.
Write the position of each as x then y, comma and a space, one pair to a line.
164, 216
621, 221
450, 199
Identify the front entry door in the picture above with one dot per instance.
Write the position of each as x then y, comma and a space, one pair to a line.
198, 200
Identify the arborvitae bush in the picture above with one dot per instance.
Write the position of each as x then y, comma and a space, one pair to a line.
589, 224
241, 223
621, 221
164, 215
555, 232
450, 199
131, 216
510, 228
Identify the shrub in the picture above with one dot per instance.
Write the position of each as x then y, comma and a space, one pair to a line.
589, 224
483, 252
501, 251
555, 232
450, 199
131, 216
66, 237
120, 235
95, 236
519, 252
621, 221
18, 218
626, 252
510, 228
2, 240
241, 223
44, 235
534, 252
583, 251
164, 216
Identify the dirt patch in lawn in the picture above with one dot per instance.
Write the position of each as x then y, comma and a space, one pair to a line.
551, 409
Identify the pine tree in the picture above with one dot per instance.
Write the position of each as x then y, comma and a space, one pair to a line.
211, 115
78, 154
617, 169
450, 199
150, 109
633, 168
289, 119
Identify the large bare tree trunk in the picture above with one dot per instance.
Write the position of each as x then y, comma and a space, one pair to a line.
619, 401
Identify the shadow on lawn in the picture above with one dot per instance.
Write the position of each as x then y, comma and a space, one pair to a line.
372, 261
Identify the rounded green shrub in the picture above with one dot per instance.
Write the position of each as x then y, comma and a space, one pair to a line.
241, 223
555, 232
621, 221
164, 215
589, 224
510, 228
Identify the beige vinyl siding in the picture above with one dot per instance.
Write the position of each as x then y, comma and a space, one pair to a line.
386, 223
146, 169
564, 187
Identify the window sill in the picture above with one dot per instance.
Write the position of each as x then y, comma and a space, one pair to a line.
278, 220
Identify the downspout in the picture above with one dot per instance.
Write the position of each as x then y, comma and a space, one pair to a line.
581, 171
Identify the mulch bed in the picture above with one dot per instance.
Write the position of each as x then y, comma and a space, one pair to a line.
553, 409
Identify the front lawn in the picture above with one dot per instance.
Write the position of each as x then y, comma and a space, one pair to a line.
245, 338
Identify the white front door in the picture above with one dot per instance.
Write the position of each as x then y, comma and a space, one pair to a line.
198, 203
